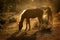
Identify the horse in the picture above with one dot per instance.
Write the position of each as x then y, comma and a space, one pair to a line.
30, 13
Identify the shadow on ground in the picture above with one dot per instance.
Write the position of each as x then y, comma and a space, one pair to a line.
23, 35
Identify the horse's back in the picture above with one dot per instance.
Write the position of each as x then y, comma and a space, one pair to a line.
31, 13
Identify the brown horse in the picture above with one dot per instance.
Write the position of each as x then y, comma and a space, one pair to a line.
31, 13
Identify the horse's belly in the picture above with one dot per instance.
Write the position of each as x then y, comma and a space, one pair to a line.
31, 16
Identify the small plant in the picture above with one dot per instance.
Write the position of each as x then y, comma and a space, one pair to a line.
11, 20
2, 21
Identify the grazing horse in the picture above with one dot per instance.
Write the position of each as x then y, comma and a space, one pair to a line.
30, 13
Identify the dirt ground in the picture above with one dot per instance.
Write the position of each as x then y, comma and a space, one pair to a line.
9, 32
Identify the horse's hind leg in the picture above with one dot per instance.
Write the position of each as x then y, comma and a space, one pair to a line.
27, 22
40, 23
26, 25
21, 23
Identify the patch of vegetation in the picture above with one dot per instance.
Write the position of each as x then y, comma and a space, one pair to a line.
4, 21
11, 20
8, 5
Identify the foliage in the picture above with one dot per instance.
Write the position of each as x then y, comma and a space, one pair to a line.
11, 20
8, 5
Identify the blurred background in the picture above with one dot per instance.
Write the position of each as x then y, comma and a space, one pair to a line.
10, 11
